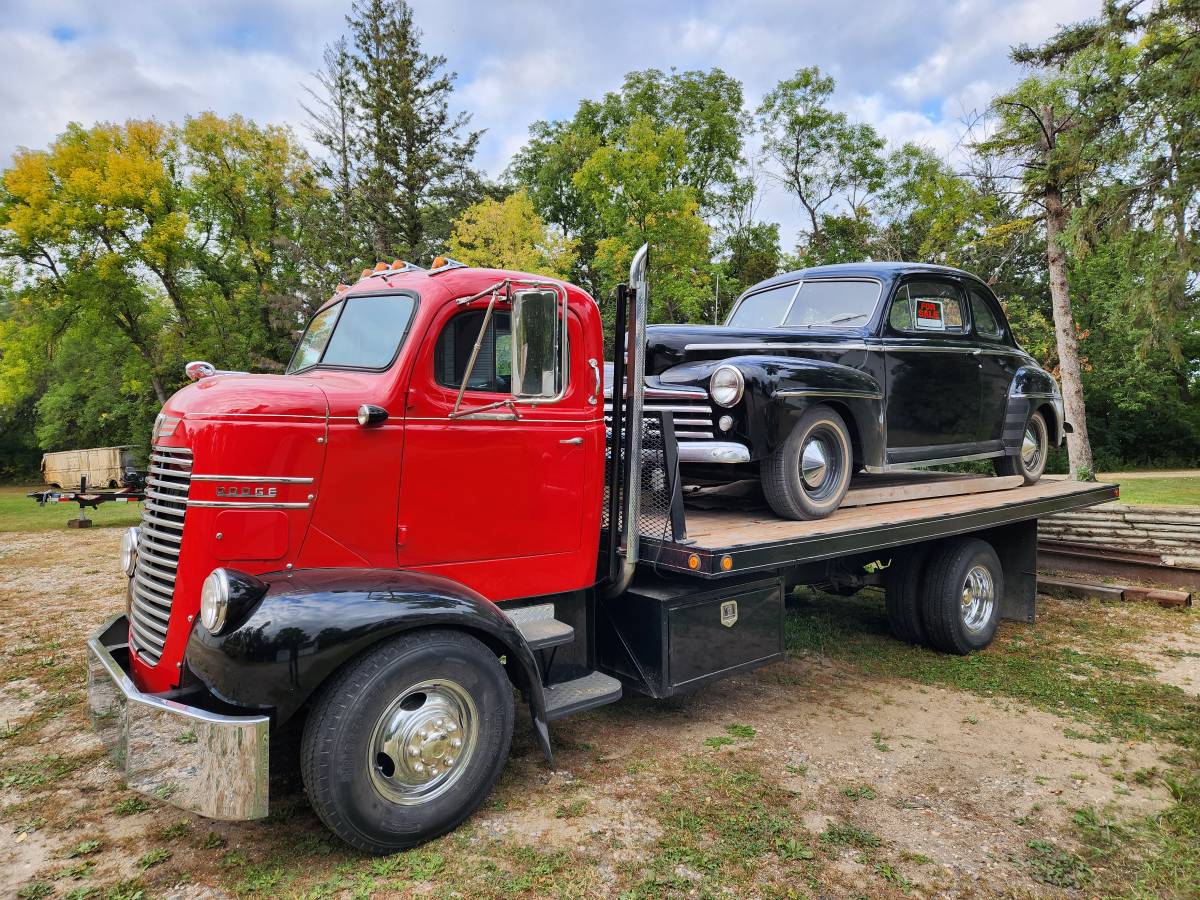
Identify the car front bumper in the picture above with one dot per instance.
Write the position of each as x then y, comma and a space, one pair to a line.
211, 764
713, 452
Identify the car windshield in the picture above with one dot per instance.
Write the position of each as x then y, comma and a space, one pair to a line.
357, 333
831, 303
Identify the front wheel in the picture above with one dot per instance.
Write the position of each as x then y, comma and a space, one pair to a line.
408, 740
808, 474
1035, 445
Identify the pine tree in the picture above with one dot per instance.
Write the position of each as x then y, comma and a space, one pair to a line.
413, 154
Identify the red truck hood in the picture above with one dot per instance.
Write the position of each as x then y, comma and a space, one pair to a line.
249, 395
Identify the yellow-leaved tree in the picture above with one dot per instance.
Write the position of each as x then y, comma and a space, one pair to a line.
509, 234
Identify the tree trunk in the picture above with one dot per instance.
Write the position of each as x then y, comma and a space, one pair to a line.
1079, 448
160, 393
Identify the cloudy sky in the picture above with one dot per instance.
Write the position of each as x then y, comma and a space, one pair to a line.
913, 68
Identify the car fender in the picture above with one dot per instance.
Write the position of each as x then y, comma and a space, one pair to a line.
1032, 387
310, 622
780, 389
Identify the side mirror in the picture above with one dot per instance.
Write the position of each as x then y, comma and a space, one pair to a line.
539, 344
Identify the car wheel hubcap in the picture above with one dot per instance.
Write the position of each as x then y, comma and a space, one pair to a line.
978, 599
1031, 450
423, 741
814, 463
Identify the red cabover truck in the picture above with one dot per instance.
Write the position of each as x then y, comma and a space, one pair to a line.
427, 510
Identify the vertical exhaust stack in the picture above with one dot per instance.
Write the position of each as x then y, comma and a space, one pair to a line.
635, 371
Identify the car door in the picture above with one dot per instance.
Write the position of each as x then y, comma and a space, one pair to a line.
932, 371
494, 499
998, 363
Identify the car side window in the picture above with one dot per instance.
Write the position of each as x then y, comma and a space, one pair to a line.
493, 366
987, 326
928, 307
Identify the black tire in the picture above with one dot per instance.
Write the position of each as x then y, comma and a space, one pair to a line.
787, 490
902, 595
951, 624
405, 682
1030, 460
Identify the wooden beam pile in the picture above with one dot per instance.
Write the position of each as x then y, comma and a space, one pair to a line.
1171, 532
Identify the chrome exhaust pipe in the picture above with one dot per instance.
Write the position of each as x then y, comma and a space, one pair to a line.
635, 372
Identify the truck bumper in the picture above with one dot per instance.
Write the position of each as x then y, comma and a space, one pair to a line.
207, 763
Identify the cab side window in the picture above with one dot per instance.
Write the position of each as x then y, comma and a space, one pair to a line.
928, 307
987, 324
493, 366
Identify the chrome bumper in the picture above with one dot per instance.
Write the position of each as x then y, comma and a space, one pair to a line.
713, 452
206, 763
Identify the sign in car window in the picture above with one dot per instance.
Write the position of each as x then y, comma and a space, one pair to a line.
929, 315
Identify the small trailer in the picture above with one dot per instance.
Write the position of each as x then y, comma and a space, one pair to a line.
517, 535
86, 499
103, 467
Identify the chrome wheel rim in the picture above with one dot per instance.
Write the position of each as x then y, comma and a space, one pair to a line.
978, 599
423, 741
814, 463
1031, 449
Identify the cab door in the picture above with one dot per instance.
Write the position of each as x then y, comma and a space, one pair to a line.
933, 380
498, 499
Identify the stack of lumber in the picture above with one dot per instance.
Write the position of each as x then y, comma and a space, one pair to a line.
1170, 532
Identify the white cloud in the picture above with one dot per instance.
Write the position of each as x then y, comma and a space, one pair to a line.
913, 69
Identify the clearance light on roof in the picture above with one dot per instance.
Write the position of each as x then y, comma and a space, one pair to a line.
399, 264
365, 273
380, 266
438, 262
340, 288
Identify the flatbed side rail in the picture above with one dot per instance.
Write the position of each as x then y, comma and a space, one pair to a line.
705, 561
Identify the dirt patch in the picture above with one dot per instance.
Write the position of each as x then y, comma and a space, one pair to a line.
878, 785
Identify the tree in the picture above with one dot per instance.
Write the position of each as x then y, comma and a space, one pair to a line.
638, 188
414, 155
509, 234
1035, 123
826, 161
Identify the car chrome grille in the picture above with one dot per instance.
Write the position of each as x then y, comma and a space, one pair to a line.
159, 540
693, 413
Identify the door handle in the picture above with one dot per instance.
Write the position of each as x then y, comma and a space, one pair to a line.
598, 380
575, 441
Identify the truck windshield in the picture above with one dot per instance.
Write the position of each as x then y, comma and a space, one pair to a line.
834, 303
357, 333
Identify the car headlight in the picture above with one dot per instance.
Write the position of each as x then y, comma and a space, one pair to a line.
214, 600
726, 385
129, 542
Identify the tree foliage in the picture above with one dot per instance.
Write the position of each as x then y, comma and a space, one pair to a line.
126, 249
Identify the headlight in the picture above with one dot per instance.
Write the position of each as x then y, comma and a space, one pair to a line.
129, 542
214, 600
726, 386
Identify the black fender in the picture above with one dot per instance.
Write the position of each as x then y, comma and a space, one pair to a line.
1032, 388
312, 621
780, 389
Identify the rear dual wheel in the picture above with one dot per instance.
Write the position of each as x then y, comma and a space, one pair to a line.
946, 596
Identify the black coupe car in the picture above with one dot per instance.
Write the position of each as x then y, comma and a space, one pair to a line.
831, 370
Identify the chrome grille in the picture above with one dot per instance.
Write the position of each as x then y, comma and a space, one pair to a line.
159, 540
692, 412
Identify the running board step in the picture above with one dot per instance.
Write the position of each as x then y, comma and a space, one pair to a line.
592, 690
539, 627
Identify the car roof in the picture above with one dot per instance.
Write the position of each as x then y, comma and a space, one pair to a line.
885, 271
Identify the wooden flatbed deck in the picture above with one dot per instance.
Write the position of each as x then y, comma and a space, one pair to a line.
756, 539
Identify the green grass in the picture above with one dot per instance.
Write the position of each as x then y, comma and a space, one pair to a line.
1161, 491
1066, 665
20, 513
